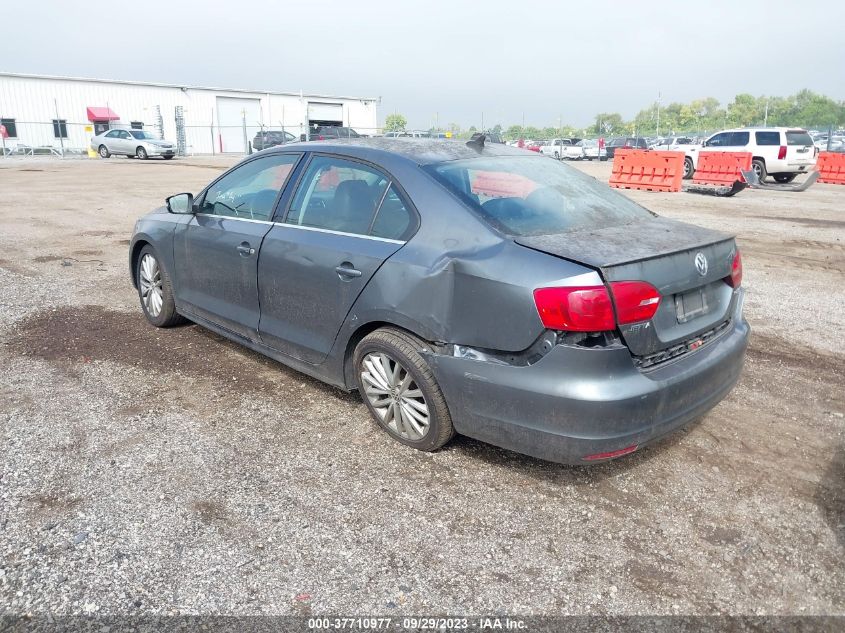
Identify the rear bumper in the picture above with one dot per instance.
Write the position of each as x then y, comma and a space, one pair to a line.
580, 401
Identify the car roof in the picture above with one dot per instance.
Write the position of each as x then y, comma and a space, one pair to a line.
763, 129
422, 151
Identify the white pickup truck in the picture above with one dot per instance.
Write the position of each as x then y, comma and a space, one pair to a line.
556, 148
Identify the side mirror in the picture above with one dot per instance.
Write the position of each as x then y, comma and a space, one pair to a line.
181, 203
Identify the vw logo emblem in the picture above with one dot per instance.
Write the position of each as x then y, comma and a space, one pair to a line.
701, 264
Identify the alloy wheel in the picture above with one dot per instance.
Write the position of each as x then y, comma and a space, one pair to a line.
150, 280
395, 396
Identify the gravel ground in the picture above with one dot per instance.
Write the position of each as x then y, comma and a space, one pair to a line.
159, 472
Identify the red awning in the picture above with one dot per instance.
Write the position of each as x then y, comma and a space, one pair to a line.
101, 114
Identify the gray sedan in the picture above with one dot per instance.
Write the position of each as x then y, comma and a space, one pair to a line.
133, 143
460, 288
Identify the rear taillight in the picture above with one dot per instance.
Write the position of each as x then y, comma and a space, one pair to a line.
782, 152
635, 301
577, 309
589, 309
735, 278
611, 454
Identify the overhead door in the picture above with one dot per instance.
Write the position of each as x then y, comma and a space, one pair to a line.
325, 113
231, 113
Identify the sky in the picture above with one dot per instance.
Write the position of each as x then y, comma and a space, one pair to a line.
508, 61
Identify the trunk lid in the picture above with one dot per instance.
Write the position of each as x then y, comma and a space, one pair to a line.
668, 255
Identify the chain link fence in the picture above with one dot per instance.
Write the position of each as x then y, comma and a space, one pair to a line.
68, 139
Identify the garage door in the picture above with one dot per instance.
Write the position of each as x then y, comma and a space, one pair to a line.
230, 116
325, 113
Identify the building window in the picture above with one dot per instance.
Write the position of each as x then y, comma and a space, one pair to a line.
11, 128
59, 128
137, 125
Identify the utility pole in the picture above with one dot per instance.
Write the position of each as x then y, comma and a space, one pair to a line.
766, 115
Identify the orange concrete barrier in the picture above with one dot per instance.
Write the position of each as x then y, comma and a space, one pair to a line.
648, 170
831, 168
721, 168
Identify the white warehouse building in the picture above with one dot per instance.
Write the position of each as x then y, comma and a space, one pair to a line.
38, 111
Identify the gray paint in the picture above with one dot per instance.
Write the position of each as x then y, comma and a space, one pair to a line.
457, 282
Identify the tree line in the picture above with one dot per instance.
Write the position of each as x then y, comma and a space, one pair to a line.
805, 109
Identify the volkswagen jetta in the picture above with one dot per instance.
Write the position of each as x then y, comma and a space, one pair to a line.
460, 288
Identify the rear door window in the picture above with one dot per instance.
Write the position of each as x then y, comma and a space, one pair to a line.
720, 140
798, 137
767, 138
338, 195
739, 139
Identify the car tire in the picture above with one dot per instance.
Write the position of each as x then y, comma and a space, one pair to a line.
155, 290
141, 153
168, 157
410, 389
103, 151
689, 168
784, 178
759, 166
557, 155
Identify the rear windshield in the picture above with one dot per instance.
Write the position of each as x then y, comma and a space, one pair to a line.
535, 196
798, 137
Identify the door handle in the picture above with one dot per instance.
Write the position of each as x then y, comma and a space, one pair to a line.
245, 249
346, 272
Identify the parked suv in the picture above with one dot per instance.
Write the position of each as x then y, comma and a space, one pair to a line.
625, 142
779, 152
271, 138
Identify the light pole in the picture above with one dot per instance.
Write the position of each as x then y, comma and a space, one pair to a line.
657, 131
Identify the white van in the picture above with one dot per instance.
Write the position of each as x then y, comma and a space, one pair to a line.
779, 152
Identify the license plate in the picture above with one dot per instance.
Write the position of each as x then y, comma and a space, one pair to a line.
690, 305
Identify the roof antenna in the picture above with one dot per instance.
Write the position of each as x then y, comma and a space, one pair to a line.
476, 142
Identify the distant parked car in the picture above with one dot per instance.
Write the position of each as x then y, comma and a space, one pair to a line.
535, 146
625, 142
329, 133
555, 148
671, 143
271, 138
592, 151
779, 152
133, 143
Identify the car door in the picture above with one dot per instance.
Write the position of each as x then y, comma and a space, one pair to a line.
216, 252
125, 143
112, 141
345, 219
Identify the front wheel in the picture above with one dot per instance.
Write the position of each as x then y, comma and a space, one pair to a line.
168, 157
784, 178
155, 290
103, 151
400, 390
141, 153
689, 168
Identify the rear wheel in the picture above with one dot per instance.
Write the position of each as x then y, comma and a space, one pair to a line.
689, 168
103, 151
759, 167
557, 155
784, 178
141, 153
168, 157
400, 390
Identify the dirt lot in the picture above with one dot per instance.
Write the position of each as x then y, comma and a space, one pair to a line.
150, 471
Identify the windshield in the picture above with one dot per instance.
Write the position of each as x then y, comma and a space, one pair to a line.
535, 196
142, 134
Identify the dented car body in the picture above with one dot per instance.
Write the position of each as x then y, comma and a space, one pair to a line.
558, 318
